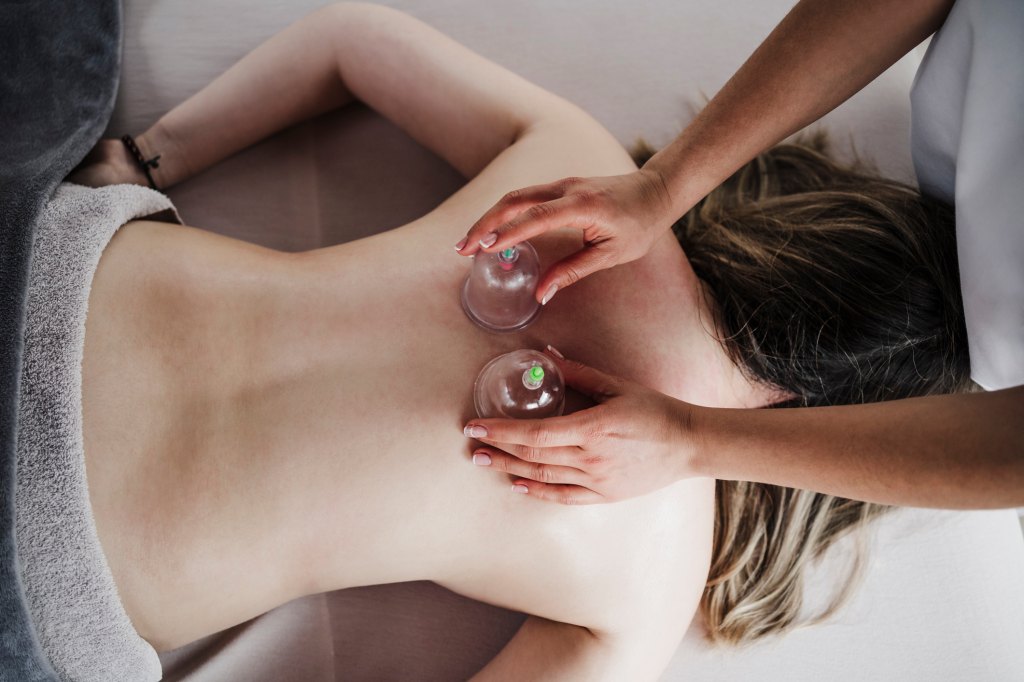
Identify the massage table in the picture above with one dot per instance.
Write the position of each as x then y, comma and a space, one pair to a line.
942, 594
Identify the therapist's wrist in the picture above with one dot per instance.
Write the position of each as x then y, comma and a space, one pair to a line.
672, 187
695, 430
684, 181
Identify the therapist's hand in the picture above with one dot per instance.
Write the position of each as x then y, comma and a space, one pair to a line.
634, 441
620, 216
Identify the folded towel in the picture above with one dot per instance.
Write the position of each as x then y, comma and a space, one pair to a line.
73, 601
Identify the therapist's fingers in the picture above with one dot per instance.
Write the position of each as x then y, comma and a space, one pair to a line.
569, 456
597, 385
562, 494
544, 473
538, 433
577, 429
509, 206
536, 220
571, 269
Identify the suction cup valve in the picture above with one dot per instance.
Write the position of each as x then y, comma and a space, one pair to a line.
498, 293
523, 384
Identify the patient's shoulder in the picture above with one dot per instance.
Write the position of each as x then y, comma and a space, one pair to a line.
570, 145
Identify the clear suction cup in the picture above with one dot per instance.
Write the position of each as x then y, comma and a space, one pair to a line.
498, 292
523, 384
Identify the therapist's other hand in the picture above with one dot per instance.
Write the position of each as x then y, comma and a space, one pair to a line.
620, 216
634, 441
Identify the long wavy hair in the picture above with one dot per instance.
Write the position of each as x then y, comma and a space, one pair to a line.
833, 286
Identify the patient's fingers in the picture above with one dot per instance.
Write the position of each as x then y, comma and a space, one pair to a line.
542, 473
563, 494
507, 208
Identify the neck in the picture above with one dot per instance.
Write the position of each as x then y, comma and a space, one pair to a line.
686, 356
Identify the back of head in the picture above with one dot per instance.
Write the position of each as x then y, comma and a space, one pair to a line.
834, 287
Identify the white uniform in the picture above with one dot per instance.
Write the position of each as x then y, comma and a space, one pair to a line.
967, 141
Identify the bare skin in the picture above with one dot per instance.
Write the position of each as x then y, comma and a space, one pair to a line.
956, 452
260, 425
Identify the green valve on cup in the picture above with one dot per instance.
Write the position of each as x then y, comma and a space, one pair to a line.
508, 256
523, 384
533, 378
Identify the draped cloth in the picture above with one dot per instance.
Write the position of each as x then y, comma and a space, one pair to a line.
61, 63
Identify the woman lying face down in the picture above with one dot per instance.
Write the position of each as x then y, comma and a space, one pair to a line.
262, 425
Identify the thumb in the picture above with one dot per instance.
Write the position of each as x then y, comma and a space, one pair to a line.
573, 268
585, 379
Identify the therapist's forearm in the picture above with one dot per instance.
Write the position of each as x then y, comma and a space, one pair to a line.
823, 52
957, 451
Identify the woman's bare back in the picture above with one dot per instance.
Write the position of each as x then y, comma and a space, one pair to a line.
260, 425
277, 424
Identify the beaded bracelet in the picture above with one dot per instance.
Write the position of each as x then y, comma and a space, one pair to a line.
144, 163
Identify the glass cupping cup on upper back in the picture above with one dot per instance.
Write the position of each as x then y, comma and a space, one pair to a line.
498, 293
523, 384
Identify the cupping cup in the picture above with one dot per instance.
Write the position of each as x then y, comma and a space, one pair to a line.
523, 384
498, 292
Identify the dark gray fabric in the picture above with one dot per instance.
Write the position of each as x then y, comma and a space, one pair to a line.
59, 66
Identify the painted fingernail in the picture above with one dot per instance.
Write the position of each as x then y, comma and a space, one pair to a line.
548, 294
554, 351
489, 240
462, 244
475, 431
481, 460
520, 488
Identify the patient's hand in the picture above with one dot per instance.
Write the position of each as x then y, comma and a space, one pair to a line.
108, 163
634, 441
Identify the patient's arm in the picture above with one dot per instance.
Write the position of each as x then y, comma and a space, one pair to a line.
546, 650
453, 101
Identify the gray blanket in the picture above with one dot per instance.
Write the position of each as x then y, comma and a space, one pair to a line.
58, 79
72, 597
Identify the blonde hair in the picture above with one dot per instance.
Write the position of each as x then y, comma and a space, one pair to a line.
834, 286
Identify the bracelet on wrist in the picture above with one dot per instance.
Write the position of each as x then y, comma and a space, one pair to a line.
143, 163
